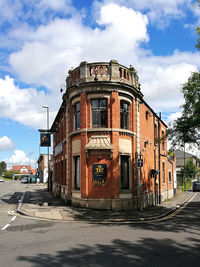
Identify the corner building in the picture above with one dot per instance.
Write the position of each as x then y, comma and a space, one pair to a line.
110, 150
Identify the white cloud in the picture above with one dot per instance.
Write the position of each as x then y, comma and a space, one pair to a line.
159, 12
51, 49
19, 157
24, 105
6, 144
174, 116
41, 11
161, 83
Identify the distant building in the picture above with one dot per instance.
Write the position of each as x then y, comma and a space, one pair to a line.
43, 167
109, 147
179, 154
22, 169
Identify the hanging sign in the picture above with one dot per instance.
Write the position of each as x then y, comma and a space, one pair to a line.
45, 139
99, 174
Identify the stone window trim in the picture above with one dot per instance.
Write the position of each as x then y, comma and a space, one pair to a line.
99, 143
98, 96
103, 130
125, 99
75, 100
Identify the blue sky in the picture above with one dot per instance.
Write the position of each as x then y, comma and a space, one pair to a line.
41, 40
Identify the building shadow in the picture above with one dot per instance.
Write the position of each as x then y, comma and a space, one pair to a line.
145, 252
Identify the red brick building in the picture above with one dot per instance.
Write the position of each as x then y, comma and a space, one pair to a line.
23, 169
110, 150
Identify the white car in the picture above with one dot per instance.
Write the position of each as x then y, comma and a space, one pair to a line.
1, 180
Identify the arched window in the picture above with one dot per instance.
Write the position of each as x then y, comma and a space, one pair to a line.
124, 115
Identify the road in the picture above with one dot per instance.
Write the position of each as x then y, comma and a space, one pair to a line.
27, 242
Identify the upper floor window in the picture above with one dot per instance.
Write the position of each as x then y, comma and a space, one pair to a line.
124, 115
155, 134
99, 113
77, 116
163, 140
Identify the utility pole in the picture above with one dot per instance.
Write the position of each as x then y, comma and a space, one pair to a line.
184, 178
48, 180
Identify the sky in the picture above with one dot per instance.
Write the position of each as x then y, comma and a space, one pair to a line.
40, 40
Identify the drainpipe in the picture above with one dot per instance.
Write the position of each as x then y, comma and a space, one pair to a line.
172, 174
184, 178
159, 178
155, 177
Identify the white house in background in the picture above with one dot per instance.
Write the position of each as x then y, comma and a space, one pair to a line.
179, 154
43, 167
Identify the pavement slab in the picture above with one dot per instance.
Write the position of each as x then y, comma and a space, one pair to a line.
49, 207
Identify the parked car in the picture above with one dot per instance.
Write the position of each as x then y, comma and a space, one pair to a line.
32, 179
196, 186
24, 180
1, 179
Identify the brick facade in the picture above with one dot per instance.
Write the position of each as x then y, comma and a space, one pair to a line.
104, 125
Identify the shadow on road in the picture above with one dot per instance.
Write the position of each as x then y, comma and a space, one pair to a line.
145, 252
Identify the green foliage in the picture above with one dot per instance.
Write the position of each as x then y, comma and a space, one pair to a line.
191, 171
2, 167
186, 128
198, 38
197, 4
8, 175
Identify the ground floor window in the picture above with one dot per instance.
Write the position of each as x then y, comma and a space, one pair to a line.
125, 172
77, 172
170, 177
163, 172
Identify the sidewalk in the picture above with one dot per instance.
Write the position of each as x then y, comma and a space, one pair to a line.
41, 204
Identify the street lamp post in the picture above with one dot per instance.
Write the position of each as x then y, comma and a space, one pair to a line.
48, 182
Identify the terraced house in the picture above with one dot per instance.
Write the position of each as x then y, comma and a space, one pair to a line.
110, 150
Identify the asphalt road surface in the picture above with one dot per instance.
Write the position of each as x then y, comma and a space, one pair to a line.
27, 242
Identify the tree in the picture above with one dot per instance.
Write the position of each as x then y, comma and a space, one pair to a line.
191, 171
186, 128
8, 175
191, 107
180, 132
2, 167
197, 28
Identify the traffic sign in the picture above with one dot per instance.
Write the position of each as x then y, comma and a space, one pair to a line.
140, 162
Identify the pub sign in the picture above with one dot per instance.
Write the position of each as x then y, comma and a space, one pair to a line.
99, 174
45, 139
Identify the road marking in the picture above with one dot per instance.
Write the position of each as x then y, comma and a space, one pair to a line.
5, 227
3, 195
13, 218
